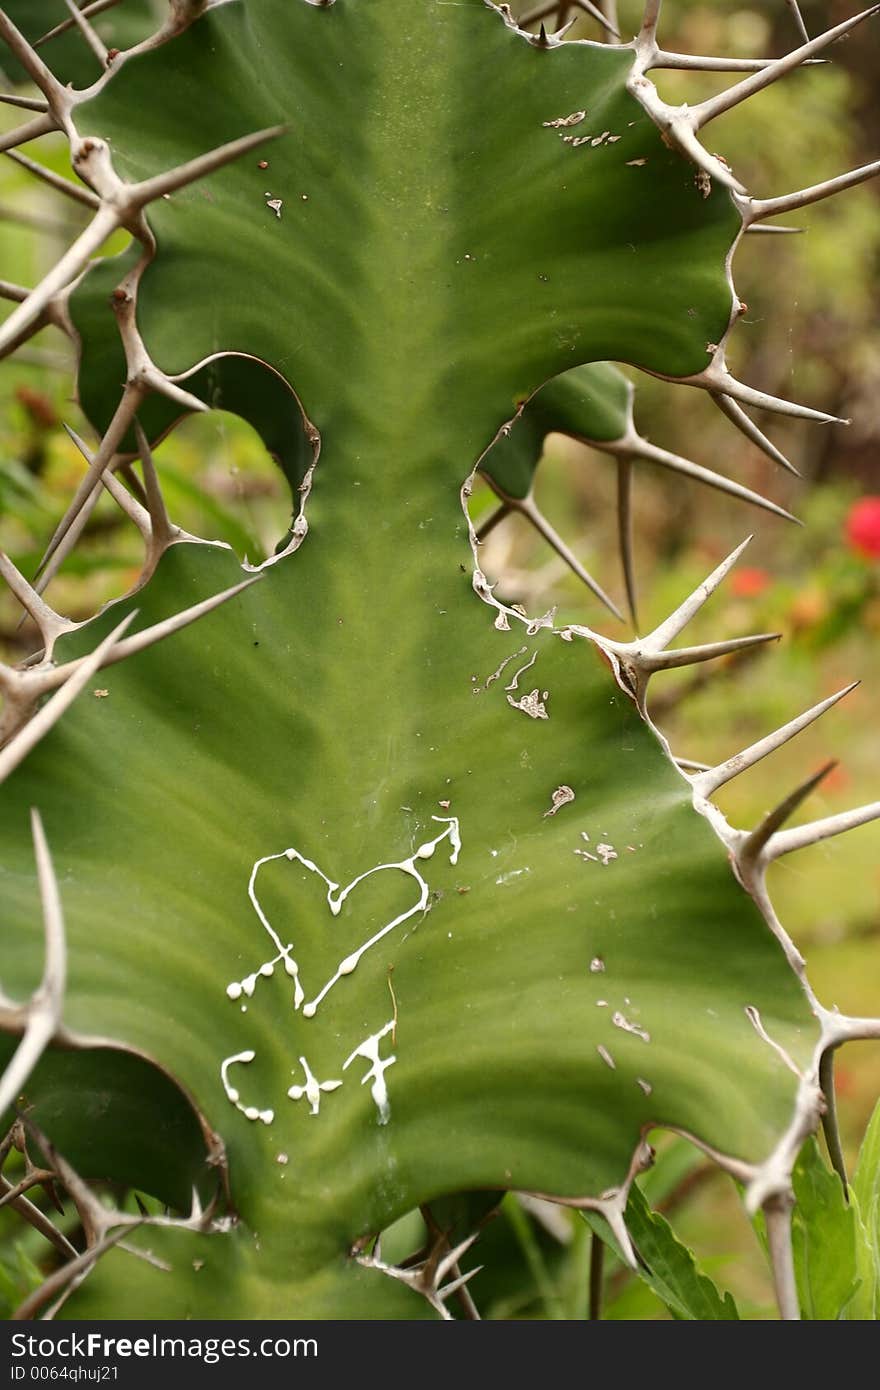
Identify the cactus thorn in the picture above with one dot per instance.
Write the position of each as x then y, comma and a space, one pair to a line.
801, 836
49, 623
659, 639
71, 264
755, 209
758, 838
87, 11
57, 97
709, 782
798, 19
670, 660
140, 641
646, 452
29, 736
116, 430
89, 35
25, 103
17, 293
61, 185
708, 110
527, 507
44, 1010
163, 532
625, 535
747, 426
31, 130
717, 380
782, 231
690, 62
586, 6
138, 195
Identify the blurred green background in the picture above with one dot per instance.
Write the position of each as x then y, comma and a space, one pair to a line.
810, 332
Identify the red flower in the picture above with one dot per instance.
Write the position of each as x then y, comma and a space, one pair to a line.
863, 527
748, 583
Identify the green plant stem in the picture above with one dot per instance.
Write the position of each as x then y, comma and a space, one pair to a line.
830, 1127
597, 1267
525, 1236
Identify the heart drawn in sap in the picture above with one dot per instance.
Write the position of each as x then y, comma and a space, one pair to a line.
336, 897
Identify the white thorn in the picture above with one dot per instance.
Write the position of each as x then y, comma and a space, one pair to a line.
33, 64
28, 737
691, 656
31, 130
70, 190
688, 765
44, 1010
758, 227
625, 535
17, 293
23, 103
709, 782
526, 507
164, 534
450, 1260
650, 453
62, 1277
691, 62
138, 195
615, 1218
755, 209
758, 838
747, 426
456, 1285
717, 380
39, 1221
129, 505
96, 7
155, 380
140, 641
798, 19
800, 836
71, 264
680, 131
52, 565
715, 106
92, 39
123, 416
49, 623
659, 639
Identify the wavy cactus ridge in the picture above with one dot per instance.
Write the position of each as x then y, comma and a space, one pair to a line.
782, 1042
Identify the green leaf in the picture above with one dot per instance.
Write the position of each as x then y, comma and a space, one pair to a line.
823, 1239
866, 1199
669, 1268
319, 737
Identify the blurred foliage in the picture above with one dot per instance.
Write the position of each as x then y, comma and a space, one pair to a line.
809, 332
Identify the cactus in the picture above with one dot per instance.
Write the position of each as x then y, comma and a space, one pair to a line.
371, 888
